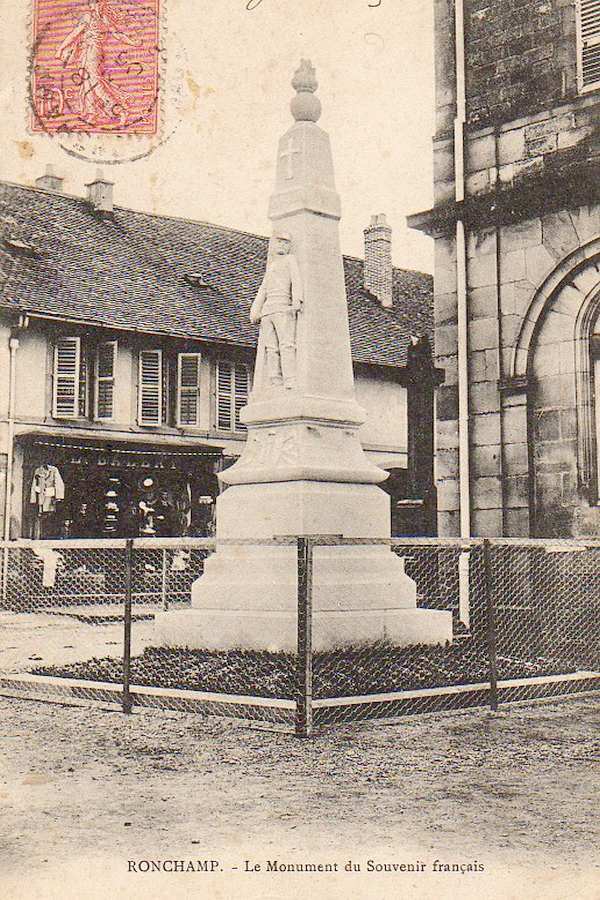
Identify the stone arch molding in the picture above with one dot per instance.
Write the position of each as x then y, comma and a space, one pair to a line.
573, 291
572, 287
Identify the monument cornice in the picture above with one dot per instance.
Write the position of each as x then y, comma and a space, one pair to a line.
302, 408
312, 199
323, 473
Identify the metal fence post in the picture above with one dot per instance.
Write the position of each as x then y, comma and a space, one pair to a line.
490, 626
127, 701
304, 670
163, 580
5, 562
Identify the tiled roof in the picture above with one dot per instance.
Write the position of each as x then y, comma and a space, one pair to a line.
128, 270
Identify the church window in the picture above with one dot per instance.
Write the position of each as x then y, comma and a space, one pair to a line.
588, 39
596, 394
233, 384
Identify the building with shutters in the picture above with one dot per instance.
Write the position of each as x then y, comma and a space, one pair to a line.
126, 354
516, 224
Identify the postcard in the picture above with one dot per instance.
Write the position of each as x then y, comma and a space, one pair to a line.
299, 436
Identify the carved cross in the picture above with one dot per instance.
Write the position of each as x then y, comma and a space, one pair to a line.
289, 154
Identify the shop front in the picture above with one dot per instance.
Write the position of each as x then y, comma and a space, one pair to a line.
89, 489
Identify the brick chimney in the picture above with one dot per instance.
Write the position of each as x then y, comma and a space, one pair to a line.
100, 193
378, 260
49, 181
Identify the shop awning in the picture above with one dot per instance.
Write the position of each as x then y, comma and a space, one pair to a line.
118, 453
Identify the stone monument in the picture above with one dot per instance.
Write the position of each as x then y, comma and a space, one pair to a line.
303, 470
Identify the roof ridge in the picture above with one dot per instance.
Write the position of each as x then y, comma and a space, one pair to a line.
360, 259
63, 195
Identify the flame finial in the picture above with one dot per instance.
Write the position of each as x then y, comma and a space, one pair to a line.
305, 106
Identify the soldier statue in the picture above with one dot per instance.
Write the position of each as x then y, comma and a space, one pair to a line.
276, 307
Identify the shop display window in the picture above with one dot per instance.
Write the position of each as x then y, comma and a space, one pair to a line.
118, 494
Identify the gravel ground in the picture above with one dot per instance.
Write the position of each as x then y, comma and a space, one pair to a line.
27, 639
85, 790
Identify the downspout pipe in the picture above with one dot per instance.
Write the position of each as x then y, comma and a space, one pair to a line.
13, 346
461, 275
499, 357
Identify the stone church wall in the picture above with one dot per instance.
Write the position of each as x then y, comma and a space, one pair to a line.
532, 217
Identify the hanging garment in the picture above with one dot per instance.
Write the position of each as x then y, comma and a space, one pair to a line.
51, 559
46, 488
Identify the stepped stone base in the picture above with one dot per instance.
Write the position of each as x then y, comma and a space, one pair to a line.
276, 630
247, 596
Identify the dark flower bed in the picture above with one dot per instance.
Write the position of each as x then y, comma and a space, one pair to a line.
355, 670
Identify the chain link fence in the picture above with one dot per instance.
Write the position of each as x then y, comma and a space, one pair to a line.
252, 684
66, 607
545, 598
385, 679
77, 621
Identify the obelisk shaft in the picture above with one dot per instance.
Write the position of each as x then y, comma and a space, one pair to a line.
310, 432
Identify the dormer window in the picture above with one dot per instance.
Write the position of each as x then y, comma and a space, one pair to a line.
196, 279
22, 247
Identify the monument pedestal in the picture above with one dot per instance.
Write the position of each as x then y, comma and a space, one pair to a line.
247, 596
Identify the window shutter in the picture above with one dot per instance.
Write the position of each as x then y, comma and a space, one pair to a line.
589, 42
241, 393
225, 376
83, 382
66, 384
233, 384
167, 377
150, 399
188, 388
106, 355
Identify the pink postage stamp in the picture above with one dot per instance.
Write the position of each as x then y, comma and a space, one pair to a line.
95, 66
